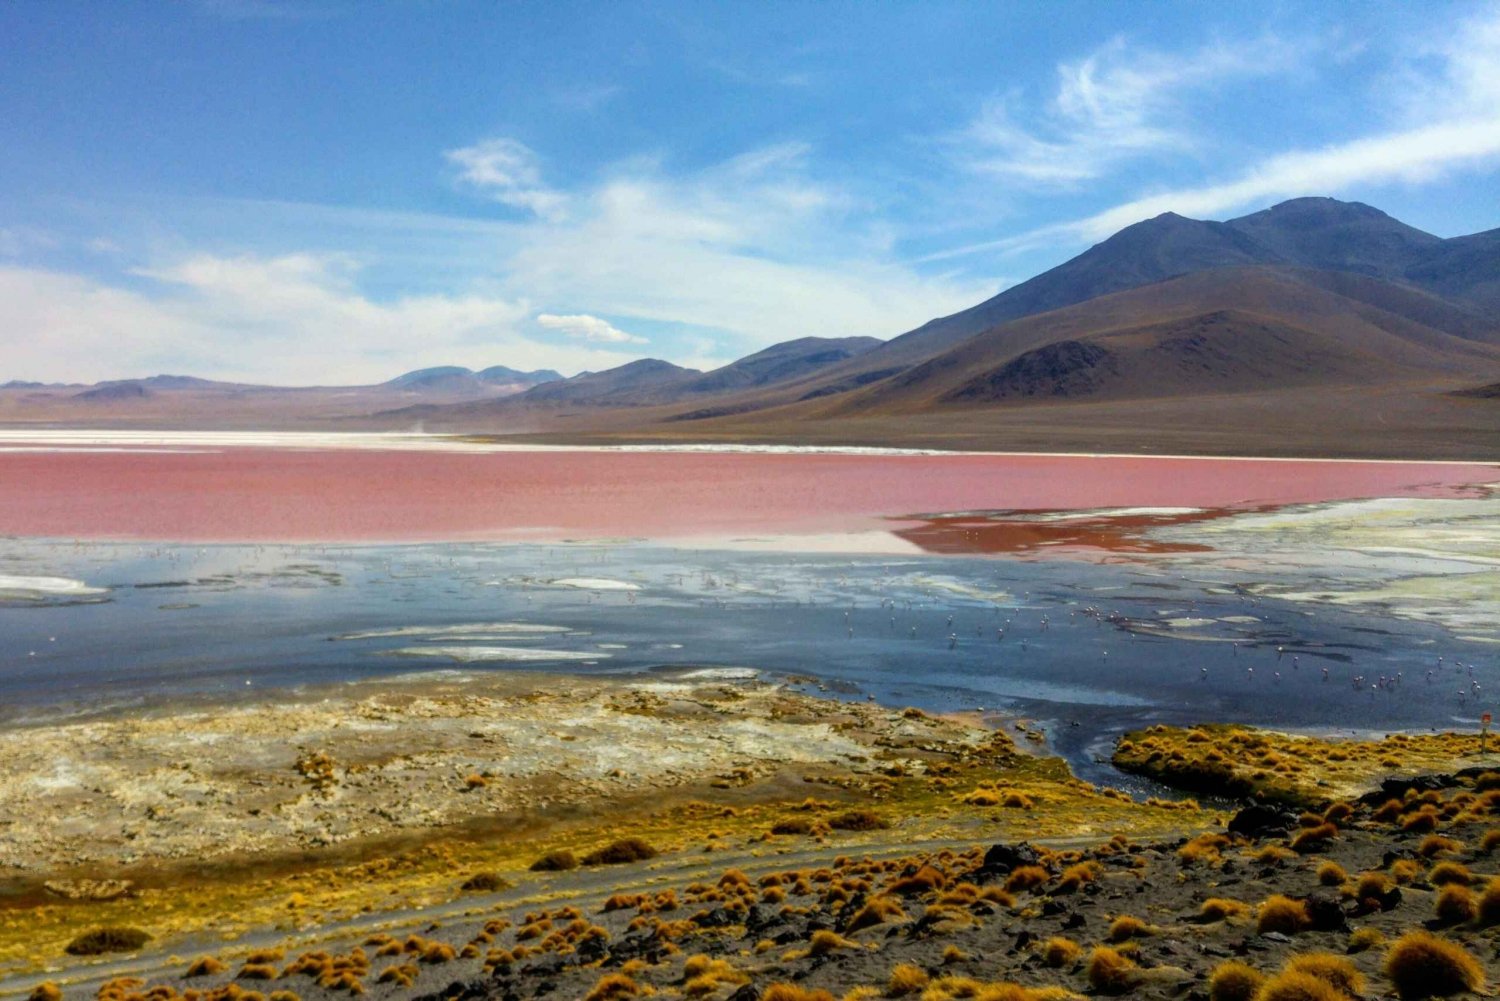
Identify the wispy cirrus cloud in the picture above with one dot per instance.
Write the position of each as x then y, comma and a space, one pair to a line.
509, 172
1445, 119
587, 328
1118, 104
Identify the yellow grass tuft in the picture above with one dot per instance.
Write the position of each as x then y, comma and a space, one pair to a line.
1422, 965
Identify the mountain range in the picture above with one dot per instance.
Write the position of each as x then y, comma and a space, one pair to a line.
1312, 327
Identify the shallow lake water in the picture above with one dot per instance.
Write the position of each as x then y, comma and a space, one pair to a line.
1093, 594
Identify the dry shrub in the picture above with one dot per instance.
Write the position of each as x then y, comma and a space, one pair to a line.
1338, 813
1111, 972
1421, 822
1389, 811
1371, 886
613, 987
256, 971
791, 992
1273, 855
1331, 874
824, 941
793, 825
1127, 926
1026, 877
1422, 965
906, 979
1489, 902
703, 975
205, 966
1314, 839
1490, 841
1203, 848
858, 820
1436, 844
1298, 987
485, 882
1281, 914
877, 910
1336, 971
924, 880
1365, 938
555, 862
1234, 981
1404, 870
1076, 877
45, 991
1455, 904
103, 940
620, 852
1445, 873
1060, 951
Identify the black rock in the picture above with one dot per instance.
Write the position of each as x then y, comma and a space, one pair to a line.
719, 917
1001, 859
1259, 821
1326, 911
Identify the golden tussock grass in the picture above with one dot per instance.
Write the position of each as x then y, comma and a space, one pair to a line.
1060, 951
1436, 844
1281, 914
1026, 877
1455, 904
1450, 872
792, 992
1331, 874
1489, 902
612, 987
1232, 980
906, 979
1127, 926
1222, 908
1111, 972
1298, 987
1420, 964
1336, 971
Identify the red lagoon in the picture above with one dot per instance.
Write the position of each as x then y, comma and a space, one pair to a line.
245, 494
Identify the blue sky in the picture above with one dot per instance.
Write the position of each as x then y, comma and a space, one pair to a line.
331, 192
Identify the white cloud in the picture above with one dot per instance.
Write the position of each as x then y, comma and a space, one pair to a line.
753, 249
297, 319
1116, 105
1452, 125
509, 172
588, 328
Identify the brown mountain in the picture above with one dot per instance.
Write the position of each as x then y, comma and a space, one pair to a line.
1218, 331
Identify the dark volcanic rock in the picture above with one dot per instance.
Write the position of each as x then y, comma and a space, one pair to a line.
1002, 858
1259, 821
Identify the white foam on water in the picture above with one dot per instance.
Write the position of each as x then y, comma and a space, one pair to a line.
482, 629
482, 654
596, 584
42, 587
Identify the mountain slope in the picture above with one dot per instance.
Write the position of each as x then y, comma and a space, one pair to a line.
1314, 233
1224, 330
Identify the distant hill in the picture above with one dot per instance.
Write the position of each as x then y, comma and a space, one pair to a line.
113, 391
456, 380
1315, 326
500, 375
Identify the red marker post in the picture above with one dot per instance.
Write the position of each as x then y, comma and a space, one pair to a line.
1484, 731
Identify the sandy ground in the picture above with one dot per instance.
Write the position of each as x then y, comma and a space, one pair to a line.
398, 757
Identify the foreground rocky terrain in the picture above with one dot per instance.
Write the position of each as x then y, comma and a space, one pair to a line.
1346, 896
